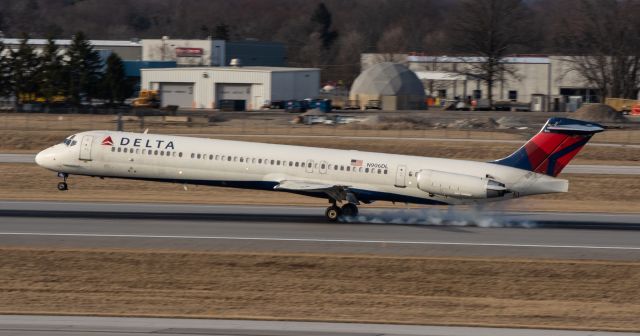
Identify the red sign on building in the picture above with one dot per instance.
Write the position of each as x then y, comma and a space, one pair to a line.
189, 52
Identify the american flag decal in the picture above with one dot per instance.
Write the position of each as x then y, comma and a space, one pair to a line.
356, 163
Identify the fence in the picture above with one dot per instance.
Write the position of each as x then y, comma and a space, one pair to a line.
267, 124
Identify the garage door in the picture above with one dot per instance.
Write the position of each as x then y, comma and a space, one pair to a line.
180, 94
233, 92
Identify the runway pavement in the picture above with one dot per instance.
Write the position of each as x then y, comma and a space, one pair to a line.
571, 169
304, 229
25, 325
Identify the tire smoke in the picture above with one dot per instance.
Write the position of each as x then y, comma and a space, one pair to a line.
438, 217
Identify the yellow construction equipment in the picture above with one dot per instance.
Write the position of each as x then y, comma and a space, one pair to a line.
147, 98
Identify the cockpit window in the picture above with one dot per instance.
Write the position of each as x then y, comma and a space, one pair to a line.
69, 141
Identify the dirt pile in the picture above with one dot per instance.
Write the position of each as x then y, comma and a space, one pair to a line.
598, 113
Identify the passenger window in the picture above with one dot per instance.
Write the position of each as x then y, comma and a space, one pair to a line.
278, 163
217, 157
155, 152
210, 156
290, 163
259, 160
272, 161
335, 167
297, 164
119, 149
366, 170
322, 166
193, 155
341, 167
385, 172
113, 149
179, 154
379, 171
241, 159
235, 158
348, 168
253, 160
161, 153
198, 156
150, 152
229, 158
137, 150
309, 165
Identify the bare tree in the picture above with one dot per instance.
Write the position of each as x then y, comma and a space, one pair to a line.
489, 30
391, 44
604, 39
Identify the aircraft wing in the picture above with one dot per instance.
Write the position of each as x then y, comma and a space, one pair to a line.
336, 192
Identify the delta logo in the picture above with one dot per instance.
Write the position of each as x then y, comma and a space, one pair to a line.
107, 141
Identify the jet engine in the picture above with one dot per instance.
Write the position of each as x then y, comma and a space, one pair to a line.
459, 185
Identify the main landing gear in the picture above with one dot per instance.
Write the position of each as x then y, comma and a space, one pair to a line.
62, 186
334, 212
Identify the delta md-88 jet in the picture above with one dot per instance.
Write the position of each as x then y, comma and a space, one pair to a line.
346, 178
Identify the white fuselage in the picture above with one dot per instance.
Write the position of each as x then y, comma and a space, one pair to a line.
371, 176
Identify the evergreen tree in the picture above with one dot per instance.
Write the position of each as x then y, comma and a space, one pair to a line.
5, 71
222, 32
322, 17
115, 87
51, 75
24, 66
83, 69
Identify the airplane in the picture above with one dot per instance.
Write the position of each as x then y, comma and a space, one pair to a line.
346, 178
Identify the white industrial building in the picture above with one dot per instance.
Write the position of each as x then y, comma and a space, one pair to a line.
547, 82
206, 87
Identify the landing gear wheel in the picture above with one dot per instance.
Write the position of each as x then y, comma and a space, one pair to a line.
62, 186
350, 209
332, 213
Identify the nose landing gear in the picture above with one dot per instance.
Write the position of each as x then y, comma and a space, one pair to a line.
62, 186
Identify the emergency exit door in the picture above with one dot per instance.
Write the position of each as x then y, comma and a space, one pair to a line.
401, 175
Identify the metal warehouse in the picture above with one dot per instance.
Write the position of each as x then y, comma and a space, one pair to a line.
207, 87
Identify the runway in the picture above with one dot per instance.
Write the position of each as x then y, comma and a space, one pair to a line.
304, 230
571, 169
113, 326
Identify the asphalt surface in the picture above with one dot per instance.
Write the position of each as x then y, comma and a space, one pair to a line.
112, 326
571, 169
424, 232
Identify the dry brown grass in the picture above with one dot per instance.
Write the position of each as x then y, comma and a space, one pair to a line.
536, 293
592, 193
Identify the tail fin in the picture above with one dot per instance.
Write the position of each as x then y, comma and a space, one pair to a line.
549, 151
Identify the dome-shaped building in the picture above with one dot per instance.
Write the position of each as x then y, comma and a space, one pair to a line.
394, 85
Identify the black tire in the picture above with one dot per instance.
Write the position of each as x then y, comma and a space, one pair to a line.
333, 213
350, 209
62, 186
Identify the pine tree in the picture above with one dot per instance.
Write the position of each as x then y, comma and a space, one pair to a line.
24, 67
322, 17
115, 87
5, 71
83, 69
51, 76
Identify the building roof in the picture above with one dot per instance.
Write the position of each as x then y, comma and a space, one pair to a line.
474, 59
242, 68
387, 79
66, 42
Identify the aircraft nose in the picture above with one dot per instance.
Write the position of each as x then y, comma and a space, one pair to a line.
45, 158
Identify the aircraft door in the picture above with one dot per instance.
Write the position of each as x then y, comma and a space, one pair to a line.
323, 167
309, 166
401, 174
85, 148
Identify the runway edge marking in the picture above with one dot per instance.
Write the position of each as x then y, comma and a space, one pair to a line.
310, 240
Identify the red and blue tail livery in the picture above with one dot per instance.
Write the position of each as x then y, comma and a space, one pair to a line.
549, 151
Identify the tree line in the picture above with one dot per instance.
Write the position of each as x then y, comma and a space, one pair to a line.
599, 36
53, 75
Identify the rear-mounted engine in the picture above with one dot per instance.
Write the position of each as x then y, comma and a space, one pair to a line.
459, 185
